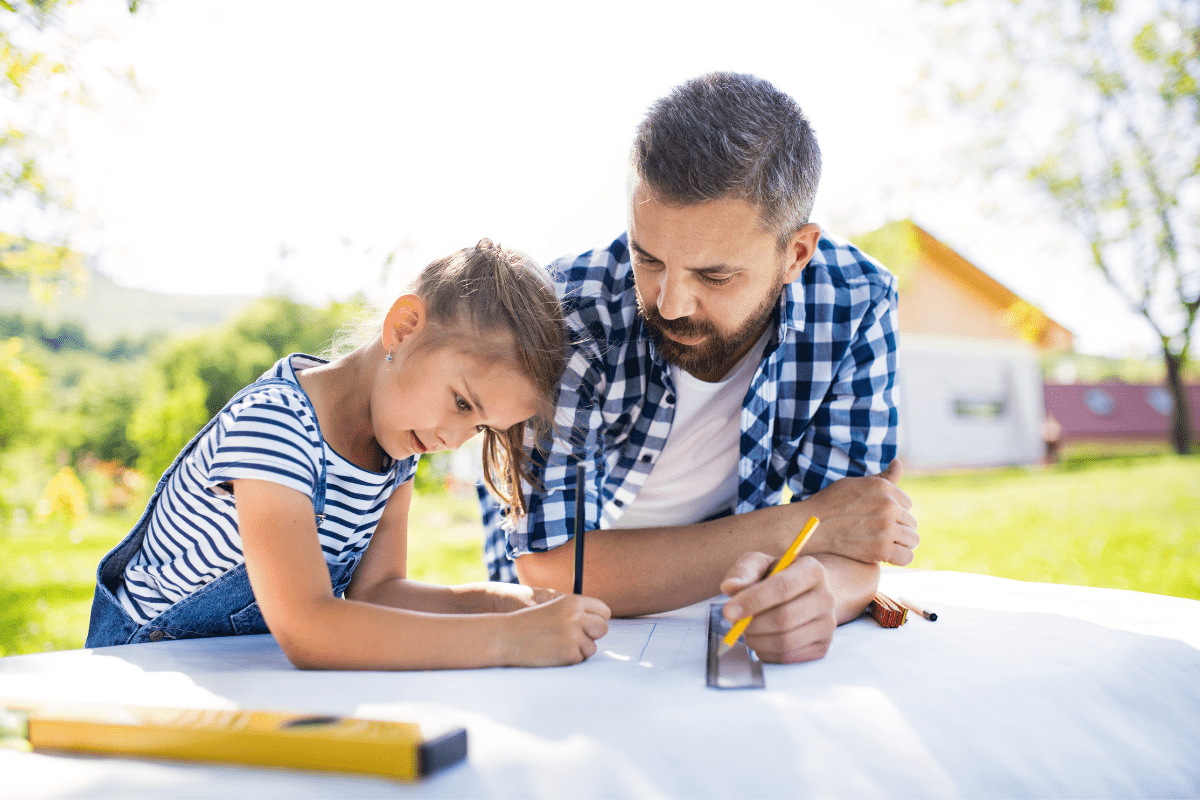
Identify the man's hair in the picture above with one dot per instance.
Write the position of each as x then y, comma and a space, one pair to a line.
730, 135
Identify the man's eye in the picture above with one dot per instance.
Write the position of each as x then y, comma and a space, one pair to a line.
714, 281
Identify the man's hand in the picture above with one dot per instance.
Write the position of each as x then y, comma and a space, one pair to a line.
794, 611
866, 519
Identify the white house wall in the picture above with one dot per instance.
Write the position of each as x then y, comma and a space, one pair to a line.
969, 402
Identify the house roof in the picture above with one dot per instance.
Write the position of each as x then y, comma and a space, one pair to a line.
1116, 410
906, 248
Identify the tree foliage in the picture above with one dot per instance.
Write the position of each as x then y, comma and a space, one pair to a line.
1097, 104
36, 80
18, 382
77, 403
189, 380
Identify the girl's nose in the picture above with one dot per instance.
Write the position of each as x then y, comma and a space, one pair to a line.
453, 437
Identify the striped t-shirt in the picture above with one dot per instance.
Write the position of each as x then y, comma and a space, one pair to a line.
270, 434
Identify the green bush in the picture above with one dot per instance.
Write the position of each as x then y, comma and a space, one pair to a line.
189, 380
19, 382
166, 419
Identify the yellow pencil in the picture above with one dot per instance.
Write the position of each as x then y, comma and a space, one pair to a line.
740, 626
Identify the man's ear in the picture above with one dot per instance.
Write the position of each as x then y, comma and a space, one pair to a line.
799, 250
404, 320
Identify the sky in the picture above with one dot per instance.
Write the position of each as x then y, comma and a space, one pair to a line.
294, 146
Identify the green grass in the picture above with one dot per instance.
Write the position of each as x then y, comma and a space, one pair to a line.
1127, 524
1131, 524
47, 570
445, 539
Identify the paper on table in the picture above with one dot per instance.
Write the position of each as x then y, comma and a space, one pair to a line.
656, 641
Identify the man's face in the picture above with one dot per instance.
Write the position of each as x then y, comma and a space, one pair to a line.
708, 278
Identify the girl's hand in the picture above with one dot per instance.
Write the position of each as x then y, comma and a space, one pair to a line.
560, 631
504, 597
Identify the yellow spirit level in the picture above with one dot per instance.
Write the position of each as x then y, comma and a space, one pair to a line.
260, 738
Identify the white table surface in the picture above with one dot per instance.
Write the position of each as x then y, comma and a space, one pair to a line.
1018, 690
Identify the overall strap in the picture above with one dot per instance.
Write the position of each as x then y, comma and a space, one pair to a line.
319, 491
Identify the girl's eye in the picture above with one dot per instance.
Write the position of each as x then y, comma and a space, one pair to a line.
461, 404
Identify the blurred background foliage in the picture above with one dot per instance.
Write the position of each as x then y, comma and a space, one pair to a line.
135, 402
87, 426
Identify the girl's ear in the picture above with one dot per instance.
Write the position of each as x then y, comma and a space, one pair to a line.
405, 319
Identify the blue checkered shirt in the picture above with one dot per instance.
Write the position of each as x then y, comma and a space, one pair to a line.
821, 405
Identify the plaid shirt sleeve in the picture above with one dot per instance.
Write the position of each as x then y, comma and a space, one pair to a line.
853, 432
549, 520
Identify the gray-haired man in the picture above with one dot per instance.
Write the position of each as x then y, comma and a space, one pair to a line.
725, 350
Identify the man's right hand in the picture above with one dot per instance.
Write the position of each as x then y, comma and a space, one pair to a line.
866, 519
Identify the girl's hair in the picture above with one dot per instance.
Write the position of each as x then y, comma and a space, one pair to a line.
496, 303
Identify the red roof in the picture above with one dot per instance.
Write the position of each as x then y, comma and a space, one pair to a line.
1116, 409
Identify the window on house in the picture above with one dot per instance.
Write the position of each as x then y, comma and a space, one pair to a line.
1100, 402
1160, 400
974, 408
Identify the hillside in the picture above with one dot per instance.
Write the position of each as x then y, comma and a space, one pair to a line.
106, 310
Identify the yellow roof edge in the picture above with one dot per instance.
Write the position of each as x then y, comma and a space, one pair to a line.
1051, 333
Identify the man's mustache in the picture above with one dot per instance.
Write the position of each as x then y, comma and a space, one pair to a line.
683, 326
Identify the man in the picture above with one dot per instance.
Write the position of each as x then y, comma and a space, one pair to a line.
724, 348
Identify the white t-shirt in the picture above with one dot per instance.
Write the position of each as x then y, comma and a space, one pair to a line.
695, 476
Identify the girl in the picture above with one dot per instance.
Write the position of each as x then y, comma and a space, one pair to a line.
264, 520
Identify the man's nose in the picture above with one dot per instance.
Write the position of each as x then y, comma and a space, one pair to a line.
675, 300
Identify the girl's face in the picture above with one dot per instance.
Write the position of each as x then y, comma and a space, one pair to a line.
429, 399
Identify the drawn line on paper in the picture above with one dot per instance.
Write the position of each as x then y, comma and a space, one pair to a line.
647, 644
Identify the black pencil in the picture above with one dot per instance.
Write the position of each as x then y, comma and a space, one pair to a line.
580, 472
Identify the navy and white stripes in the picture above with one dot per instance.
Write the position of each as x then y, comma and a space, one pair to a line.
269, 434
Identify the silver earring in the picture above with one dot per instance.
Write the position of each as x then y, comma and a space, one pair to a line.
389, 357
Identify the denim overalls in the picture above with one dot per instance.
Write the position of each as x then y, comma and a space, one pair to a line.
223, 607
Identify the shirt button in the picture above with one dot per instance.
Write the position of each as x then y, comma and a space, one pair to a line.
156, 635
670, 398
619, 503
646, 459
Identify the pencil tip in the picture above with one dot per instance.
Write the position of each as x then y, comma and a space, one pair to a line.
723, 649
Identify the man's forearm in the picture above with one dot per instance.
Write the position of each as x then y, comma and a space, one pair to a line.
650, 570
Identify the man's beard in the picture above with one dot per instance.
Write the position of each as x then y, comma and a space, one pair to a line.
712, 359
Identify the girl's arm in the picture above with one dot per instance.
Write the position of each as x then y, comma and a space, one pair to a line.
318, 631
380, 577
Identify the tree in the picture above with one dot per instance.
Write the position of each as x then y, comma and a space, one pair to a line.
17, 382
190, 379
1096, 103
34, 80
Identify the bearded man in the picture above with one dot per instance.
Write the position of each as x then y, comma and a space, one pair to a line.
724, 350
